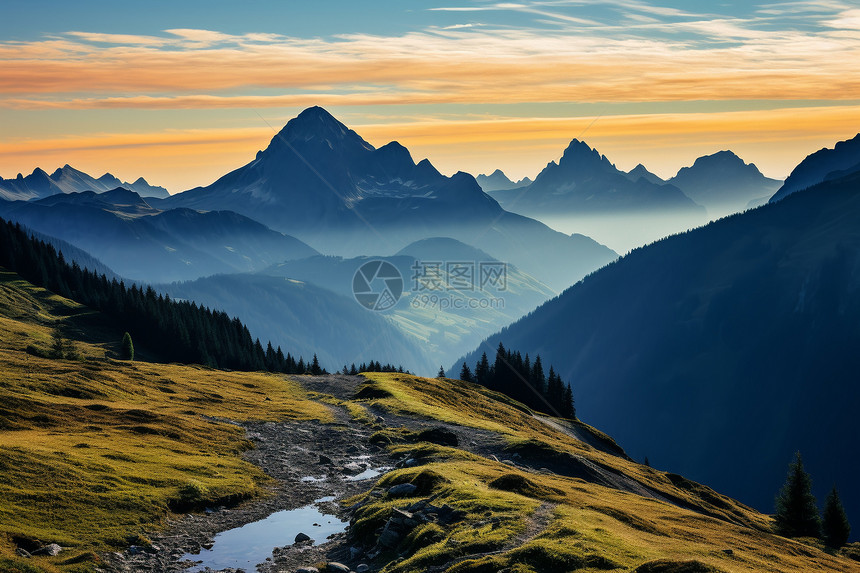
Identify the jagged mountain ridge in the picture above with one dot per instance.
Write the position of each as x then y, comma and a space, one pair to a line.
67, 179
584, 181
321, 182
498, 181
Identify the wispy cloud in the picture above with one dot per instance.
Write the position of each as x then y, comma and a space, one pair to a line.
730, 60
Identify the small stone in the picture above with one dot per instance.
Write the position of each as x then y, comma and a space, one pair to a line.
353, 468
307, 570
325, 460
402, 490
302, 537
380, 420
23, 553
362, 568
50, 550
337, 567
728, 551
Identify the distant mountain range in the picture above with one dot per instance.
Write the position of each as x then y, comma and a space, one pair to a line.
140, 242
444, 319
823, 165
736, 341
497, 181
723, 182
67, 179
321, 182
585, 182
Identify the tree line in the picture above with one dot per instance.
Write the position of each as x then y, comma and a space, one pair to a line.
523, 380
372, 366
177, 331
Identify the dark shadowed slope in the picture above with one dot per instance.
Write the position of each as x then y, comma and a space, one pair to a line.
720, 352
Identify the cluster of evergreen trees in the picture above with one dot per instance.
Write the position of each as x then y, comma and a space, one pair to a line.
373, 366
797, 512
176, 331
523, 380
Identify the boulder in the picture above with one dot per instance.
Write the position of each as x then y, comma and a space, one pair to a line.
336, 567
302, 537
50, 550
402, 490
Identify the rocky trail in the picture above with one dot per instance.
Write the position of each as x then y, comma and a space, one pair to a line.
313, 461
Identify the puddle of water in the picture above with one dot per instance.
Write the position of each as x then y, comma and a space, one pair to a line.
244, 547
369, 474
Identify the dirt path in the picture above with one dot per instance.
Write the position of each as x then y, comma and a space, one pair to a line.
288, 452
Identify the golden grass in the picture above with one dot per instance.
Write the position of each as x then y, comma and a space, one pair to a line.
95, 450
592, 527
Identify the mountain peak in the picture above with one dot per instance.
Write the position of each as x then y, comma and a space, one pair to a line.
318, 125
580, 154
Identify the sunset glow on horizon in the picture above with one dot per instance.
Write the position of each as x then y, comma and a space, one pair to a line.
473, 87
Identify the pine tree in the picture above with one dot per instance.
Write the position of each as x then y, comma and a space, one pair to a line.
353, 370
58, 343
482, 370
466, 374
796, 511
315, 366
569, 408
126, 347
835, 528
441, 373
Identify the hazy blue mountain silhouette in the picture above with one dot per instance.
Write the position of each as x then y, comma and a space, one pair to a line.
719, 352
304, 318
67, 179
641, 171
143, 243
321, 182
497, 181
822, 165
444, 331
724, 181
584, 181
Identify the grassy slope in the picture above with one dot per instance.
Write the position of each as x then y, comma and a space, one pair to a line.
95, 450
591, 528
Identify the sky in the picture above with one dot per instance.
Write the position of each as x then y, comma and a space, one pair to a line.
183, 92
